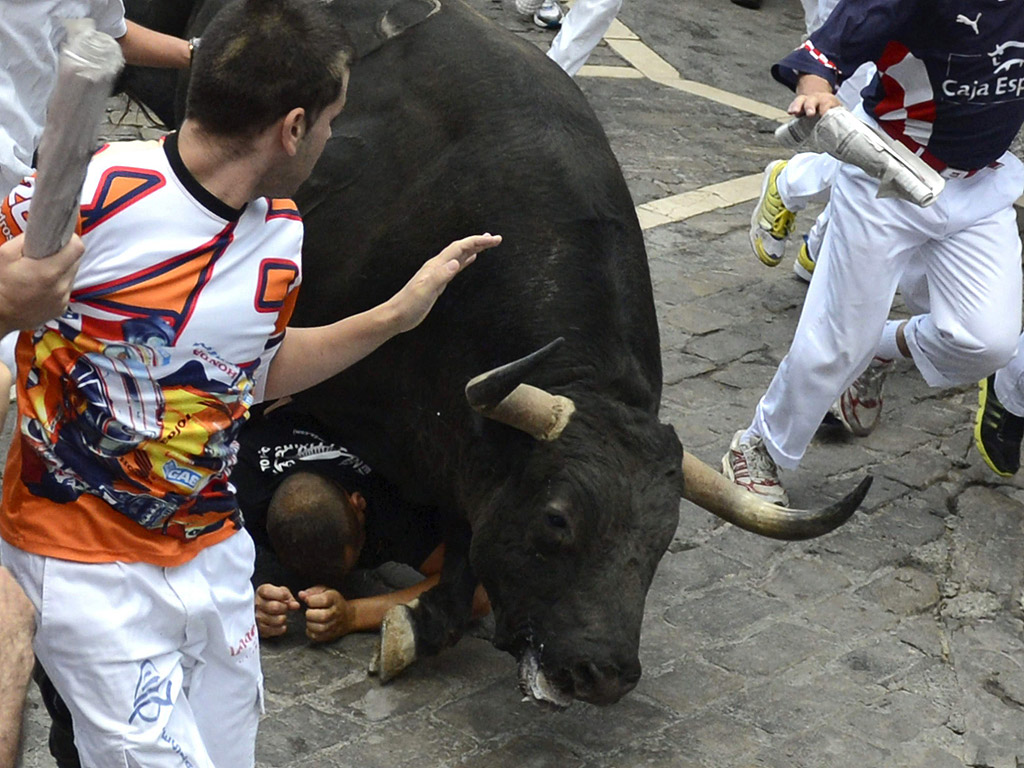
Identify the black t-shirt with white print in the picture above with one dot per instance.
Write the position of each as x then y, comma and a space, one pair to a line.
287, 440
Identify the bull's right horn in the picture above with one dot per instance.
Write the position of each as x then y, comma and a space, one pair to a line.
718, 495
500, 394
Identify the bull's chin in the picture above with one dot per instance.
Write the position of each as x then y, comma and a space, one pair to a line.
537, 686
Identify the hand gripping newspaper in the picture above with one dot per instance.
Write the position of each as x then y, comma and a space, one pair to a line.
89, 63
838, 132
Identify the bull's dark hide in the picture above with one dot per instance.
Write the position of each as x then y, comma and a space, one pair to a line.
454, 126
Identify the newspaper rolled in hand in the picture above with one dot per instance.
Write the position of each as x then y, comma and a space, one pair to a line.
89, 63
838, 132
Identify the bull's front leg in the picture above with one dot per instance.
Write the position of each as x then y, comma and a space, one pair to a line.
433, 621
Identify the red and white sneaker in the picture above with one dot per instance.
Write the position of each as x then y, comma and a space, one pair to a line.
859, 407
749, 465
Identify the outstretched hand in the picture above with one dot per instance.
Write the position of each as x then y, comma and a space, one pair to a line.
414, 301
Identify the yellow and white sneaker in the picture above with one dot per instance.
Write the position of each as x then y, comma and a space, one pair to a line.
803, 265
772, 222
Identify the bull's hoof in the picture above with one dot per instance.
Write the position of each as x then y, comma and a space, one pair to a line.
397, 647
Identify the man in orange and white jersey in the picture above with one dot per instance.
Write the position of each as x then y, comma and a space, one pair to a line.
116, 502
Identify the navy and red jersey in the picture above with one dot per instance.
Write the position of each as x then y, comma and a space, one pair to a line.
950, 82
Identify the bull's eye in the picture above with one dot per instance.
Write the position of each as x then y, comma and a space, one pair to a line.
557, 521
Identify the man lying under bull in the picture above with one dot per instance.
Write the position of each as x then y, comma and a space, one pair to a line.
316, 511
116, 494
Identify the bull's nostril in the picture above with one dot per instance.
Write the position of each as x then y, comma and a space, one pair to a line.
586, 674
604, 685
631, 673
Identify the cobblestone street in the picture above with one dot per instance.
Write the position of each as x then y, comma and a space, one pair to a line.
896, 641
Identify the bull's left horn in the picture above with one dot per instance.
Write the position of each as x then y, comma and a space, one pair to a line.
721, 497
500, 394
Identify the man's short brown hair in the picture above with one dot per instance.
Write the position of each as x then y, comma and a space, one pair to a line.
259, 59
311, 522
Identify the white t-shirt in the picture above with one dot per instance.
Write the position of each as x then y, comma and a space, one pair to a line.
31, 32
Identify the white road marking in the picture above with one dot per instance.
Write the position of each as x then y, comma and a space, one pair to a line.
649, 64
601, 70
695, 202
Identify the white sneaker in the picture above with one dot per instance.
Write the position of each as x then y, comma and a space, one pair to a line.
803, 264
859, 407
750, 466
549, 15
528, 7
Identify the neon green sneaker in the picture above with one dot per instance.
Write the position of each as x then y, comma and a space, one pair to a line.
772, 222
803, 265
997, 432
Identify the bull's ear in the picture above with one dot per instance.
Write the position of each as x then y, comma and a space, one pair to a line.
500, 394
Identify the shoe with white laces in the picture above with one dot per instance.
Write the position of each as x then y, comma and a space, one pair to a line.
749, 465
549, 15
803, 266
859, 407
772, 222
997, 432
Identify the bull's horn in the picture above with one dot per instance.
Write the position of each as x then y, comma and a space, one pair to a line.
499, 394
491, 387
720, 496
534, 411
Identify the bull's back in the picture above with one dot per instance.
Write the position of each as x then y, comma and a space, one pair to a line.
452, 128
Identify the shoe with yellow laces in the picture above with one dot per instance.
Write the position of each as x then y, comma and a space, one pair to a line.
772, 222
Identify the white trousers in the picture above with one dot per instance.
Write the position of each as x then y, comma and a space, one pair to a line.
582, 29
1009, 384
159, 666
970, 251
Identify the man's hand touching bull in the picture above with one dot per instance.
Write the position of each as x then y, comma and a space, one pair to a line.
308, 356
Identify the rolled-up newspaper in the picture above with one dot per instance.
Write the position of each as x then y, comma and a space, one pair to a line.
89, 63
838, 132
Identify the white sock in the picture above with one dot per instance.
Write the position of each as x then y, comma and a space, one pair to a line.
887, 348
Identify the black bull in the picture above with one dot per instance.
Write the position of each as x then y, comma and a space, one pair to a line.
453, 126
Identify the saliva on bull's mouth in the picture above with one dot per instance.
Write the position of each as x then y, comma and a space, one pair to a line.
556, 688
535, 684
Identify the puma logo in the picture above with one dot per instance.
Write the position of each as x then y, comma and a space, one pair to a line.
961, 19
